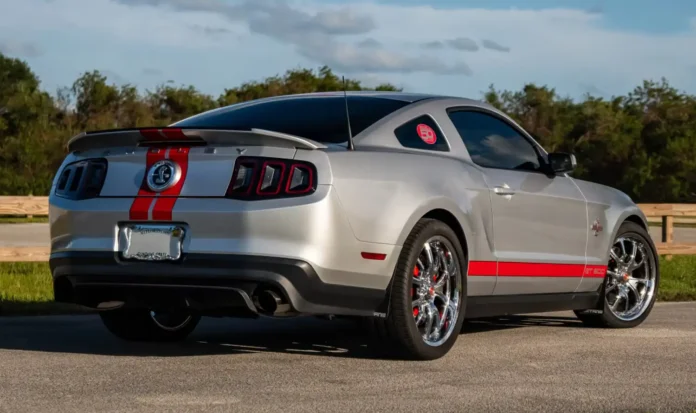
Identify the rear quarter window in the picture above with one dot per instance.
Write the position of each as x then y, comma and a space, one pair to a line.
422, 133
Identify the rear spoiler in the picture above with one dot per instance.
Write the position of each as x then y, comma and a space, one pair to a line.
188, 137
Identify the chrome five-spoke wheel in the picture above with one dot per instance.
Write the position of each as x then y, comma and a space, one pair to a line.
630, 284
436, 292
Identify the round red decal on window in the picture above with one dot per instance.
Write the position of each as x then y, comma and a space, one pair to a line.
426, 133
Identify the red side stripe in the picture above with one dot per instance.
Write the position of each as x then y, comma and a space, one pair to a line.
483, 268
141, 204
164, 206
525, 269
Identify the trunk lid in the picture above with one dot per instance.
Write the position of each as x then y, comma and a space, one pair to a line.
203, 160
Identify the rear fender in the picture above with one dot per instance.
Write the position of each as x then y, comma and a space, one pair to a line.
442, 203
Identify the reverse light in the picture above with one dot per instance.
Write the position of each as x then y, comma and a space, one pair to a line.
263, 178
271, 175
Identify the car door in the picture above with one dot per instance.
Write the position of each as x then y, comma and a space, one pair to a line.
539, 219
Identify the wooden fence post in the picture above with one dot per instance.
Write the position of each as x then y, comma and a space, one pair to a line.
668, 232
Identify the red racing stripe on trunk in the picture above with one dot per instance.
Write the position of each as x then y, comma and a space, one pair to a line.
141, 204
164, 205
528, 269
151, 134
173, 133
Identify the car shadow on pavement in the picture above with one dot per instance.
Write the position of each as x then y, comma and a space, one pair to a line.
306, 335
484, 325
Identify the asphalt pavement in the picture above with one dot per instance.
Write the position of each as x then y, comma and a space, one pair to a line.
537, 363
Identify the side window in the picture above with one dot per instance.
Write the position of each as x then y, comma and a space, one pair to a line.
493, 143
422, 133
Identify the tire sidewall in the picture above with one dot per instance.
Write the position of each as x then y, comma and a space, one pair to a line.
407, 261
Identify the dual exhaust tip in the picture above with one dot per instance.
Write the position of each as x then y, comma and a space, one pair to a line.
269, 302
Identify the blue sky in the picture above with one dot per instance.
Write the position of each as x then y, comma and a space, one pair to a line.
602, 47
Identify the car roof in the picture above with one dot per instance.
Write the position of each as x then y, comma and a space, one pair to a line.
402, 96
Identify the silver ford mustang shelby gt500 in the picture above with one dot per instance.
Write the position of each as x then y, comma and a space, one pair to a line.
410, 211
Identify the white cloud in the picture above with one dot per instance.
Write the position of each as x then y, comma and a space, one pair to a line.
490, 44
316, 34
463, 43
370, 43
342, 21
146, 25
433, 45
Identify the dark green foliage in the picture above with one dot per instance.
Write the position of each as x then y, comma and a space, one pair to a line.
643, 143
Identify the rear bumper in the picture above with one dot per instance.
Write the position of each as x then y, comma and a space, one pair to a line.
211, 281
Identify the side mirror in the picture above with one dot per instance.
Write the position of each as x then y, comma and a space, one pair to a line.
560, 162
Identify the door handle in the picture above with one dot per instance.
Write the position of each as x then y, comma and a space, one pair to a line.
504, 190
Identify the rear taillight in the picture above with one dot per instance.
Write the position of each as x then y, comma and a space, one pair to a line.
82, 179
264, 178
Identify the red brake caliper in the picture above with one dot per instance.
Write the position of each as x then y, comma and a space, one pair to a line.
416, 273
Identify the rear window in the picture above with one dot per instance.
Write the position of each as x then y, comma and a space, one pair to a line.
322, 119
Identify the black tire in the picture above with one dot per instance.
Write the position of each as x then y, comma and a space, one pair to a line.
398, 332
603, 316
139, 325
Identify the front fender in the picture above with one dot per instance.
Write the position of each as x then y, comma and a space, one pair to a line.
619, 216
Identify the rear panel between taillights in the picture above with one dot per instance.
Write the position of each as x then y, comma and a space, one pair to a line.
205, 171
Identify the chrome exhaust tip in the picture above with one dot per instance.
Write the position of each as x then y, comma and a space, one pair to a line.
270, 302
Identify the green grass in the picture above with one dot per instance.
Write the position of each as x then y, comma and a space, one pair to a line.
23, 220
27, 288
678, 279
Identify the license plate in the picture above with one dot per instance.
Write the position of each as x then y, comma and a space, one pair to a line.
151, 242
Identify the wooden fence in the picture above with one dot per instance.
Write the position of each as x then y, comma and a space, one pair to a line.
667, 213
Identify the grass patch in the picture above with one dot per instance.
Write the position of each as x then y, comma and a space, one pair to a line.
678, 278
23, 220
26, 288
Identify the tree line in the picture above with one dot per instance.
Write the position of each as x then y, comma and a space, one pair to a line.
643, 143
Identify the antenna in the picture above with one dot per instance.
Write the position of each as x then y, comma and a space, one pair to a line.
351, 147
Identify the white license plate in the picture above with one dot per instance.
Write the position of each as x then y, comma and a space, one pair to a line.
151, 242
